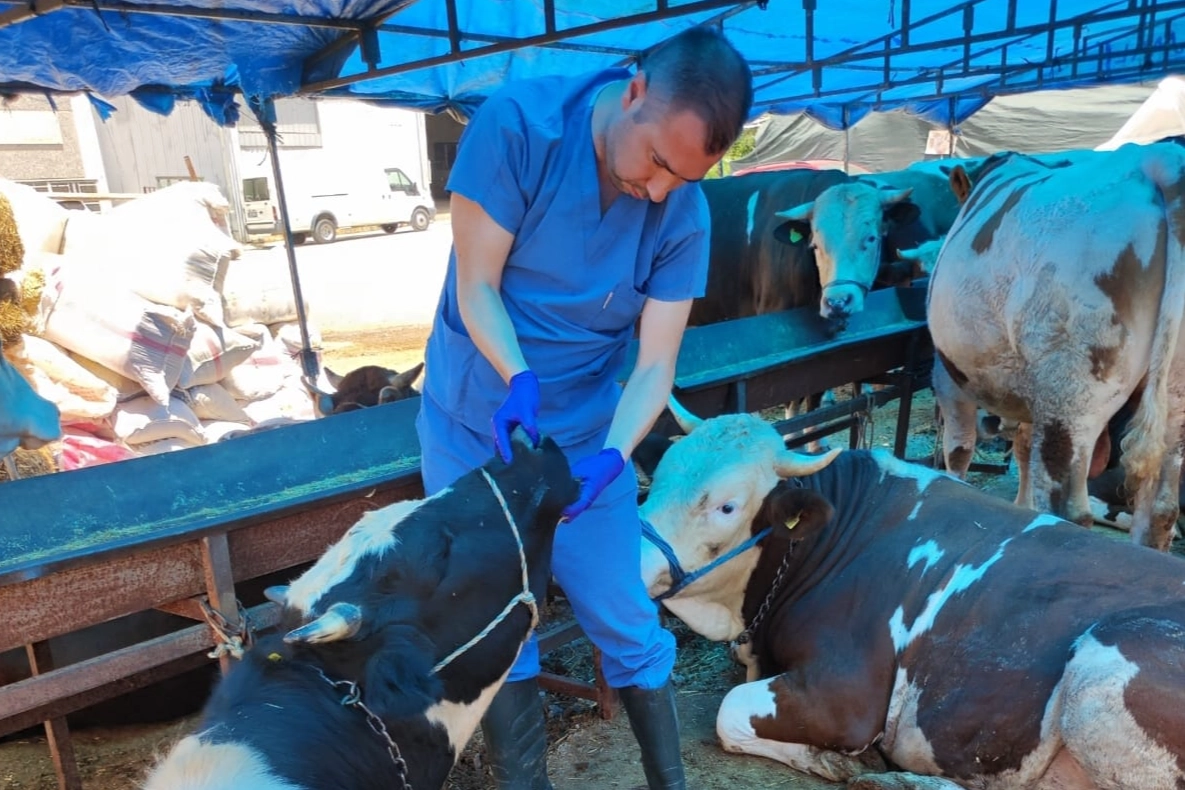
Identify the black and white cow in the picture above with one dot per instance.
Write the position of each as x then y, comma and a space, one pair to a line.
398, 607
905, 630
1057, 298
26, 419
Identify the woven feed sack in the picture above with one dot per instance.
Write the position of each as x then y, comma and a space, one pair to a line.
167, 246
259, 291
39, 220
80, 395
124, 332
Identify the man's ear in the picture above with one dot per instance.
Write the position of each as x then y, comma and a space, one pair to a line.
635, 91
801, 512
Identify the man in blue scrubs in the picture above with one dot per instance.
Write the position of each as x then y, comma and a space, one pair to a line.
575, 213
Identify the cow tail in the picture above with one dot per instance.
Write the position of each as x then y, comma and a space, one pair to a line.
1146, 440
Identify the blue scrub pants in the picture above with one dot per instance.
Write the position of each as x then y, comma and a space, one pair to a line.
596, 558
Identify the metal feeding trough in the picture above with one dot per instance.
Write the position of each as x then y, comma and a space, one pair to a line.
754, 363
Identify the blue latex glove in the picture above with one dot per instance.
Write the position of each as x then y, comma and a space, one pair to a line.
594, 473
521, 407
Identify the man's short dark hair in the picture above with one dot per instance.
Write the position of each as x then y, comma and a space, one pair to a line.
701, 71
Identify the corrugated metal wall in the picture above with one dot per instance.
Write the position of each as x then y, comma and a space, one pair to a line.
143, 151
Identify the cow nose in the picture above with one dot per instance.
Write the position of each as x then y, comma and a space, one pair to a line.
839, 304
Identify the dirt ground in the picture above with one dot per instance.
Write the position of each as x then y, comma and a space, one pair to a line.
586, 751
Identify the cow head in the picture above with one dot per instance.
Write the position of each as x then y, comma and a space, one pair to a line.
845, 226
369, 385
706, 499
26, 419
411, 582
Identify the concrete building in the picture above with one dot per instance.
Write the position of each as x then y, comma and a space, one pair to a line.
66, 147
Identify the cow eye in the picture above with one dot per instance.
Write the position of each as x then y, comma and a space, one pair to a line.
727, 508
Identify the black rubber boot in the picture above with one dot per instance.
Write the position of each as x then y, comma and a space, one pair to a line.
516, 737
655, 722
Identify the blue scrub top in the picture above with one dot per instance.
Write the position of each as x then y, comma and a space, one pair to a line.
575, 281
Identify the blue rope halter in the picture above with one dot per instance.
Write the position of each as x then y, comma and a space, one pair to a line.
680, 578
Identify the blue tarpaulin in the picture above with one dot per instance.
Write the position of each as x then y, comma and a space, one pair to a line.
835, 60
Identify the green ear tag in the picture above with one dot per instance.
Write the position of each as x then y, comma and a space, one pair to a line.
792, 522
795, 237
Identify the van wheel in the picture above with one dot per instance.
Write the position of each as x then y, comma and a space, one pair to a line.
420, 219
300, 238
390, 228
324, 231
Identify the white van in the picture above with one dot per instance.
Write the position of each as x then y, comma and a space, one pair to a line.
386, 198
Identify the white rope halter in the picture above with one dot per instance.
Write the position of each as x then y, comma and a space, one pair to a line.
525, 597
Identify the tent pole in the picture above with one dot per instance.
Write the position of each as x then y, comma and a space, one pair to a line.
308, 359
847, 140
950, 127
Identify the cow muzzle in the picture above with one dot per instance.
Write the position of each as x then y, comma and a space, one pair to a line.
841, 299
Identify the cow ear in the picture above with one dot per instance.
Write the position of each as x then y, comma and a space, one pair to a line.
795, 232
399, 681
405, 379
960, 184
800, 511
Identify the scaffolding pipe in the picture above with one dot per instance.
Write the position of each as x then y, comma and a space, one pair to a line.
308, 358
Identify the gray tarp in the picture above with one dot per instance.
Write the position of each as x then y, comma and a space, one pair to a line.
1031, 122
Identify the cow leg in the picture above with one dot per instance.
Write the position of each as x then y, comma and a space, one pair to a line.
1022, 451
1122, 703
1157, 506
1059, 462
797, 408
901, 781
735, 728
959, 421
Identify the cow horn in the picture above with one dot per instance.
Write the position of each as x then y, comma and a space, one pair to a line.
687, 421
792, 464
802, 213
322, 400
890, 196
341, 621
277, 594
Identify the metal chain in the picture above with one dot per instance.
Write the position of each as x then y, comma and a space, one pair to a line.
229, 639
353, 699
745, 636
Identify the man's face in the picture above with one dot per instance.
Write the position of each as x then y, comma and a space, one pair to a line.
650, 150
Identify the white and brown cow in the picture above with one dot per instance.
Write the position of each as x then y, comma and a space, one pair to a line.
857, 227
26, 419
1057, 297
397, 639
905, 630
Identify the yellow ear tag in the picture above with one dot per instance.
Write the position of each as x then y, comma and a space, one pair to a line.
795, 237
791, 523
274, 657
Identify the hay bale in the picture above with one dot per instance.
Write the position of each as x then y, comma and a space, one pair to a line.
32, 285
13, 322
30, 463
12, 251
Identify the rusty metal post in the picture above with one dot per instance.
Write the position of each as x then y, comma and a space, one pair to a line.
57, 732
220, 585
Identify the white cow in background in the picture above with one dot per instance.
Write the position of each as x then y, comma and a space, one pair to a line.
1057, 297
